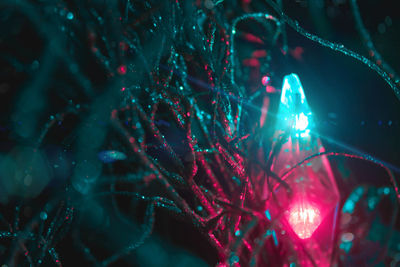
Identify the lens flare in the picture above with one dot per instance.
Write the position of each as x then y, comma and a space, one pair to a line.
304, 218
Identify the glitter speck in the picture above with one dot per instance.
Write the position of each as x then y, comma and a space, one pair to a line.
122, 69
43, 215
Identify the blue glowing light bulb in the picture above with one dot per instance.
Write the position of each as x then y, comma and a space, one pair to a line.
294, 113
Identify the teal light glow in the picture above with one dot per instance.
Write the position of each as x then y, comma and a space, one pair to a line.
351, 202
109, 156
346, 243
274, 236
294, 112
268, 215
346, 246
292, 90
301, 122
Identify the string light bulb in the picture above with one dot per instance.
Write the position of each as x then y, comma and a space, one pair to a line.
293, 109
312, 202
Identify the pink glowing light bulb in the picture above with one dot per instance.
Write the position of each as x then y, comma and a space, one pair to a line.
304, 218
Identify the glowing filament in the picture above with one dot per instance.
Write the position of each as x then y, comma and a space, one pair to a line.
301, 123
304, 218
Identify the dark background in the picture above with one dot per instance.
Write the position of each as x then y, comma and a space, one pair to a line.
351, 103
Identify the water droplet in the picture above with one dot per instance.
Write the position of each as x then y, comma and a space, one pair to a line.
386, 190
43, 215
70, 16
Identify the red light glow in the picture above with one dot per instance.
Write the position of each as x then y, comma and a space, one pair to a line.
304, 218
122, 69
265, 80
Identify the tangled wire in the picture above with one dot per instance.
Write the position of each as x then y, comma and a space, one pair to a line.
127, 108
